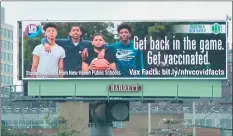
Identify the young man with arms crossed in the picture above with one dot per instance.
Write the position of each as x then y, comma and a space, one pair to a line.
74, 48
48, 65
125, 56
92, 62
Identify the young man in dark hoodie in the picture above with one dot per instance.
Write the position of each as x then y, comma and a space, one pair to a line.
74, 46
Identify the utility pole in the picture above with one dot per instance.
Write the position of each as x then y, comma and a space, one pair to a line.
194, 119
170, 130
149, 119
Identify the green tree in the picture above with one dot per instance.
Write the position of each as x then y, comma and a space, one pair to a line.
89, 28
15, 132
62, 125
28, 46
5, 131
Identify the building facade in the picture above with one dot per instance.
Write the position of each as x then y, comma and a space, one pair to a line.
6, 51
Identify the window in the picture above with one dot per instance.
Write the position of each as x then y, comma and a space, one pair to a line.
2, 44
28, 123
199, 103
211, 103
8, 122
187, 122
197, 121
11, 46
11, 80
210, 122
9, 34
231, 68
5, 33
12, 35
41, 122
226, 123
202, 122
15, 122
22, 122
8, 45
5, 79
5, 56
5, 44
119, 124
8, 80
8, 57
225, 133
12, 59
2, 55
2, 79
5, 68
1, 31
162, 103
11, 69
35, 122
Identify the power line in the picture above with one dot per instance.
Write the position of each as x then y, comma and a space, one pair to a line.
224, 121
208, 115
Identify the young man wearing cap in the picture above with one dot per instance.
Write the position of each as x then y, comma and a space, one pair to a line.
48, 65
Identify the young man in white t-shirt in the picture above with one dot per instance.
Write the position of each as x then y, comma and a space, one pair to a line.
48, 65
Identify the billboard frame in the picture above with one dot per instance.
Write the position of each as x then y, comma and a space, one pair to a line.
226, 20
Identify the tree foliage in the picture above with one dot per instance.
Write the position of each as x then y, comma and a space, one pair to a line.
15, 132
54, 122
62, 125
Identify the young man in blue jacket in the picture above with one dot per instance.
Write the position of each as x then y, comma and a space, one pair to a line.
75, 47
125, 56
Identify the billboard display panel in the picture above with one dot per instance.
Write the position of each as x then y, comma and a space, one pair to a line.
124, 50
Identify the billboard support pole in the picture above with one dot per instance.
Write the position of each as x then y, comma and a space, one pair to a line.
142, 95
108, 96
212, 93
39, 92
75, 90
194, 118
100, 129
177, 92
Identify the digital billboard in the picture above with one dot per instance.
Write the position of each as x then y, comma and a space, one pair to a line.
124, 50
